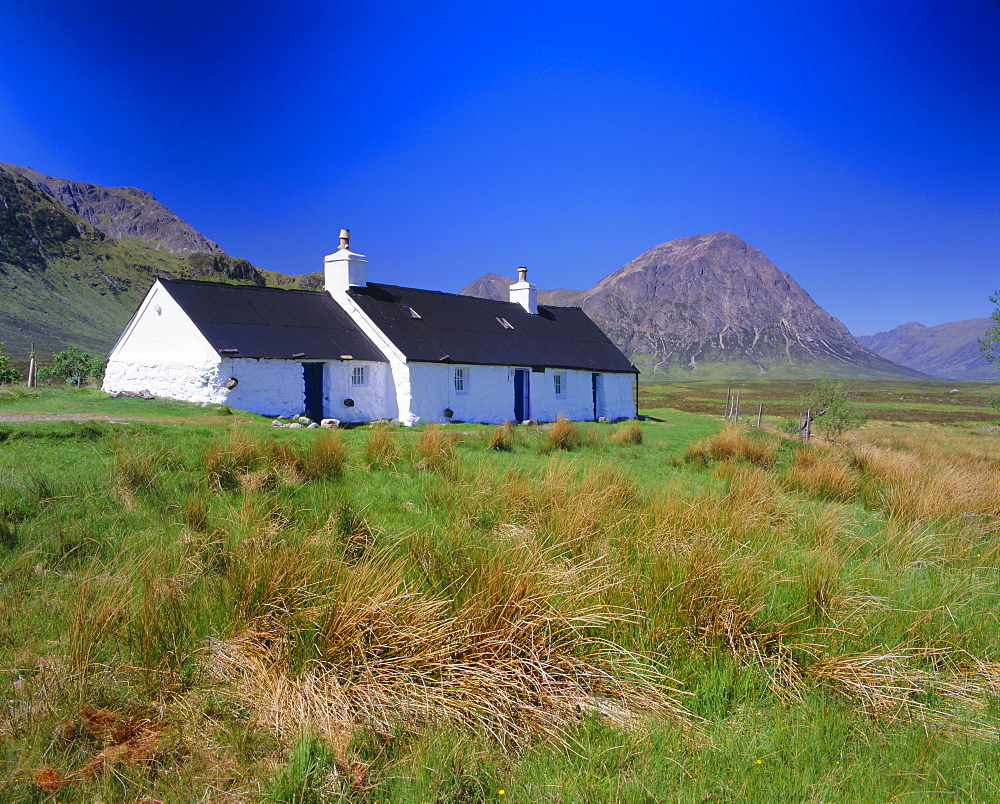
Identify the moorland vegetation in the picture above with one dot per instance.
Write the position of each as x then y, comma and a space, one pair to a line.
197, 606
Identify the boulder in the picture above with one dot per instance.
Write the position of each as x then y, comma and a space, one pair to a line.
330, 423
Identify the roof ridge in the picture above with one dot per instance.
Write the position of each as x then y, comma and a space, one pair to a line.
211, 283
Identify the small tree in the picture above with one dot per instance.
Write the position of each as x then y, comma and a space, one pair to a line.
830, 400
72, 366
989, 345
8, 373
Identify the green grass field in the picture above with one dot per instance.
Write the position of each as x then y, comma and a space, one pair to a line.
200, 607
896, 401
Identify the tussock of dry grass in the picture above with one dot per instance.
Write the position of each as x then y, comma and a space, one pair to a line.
435, 451
253, 464
821, 471
522, 657
627, 433
501, 438
563, 434
733, 441
382, 449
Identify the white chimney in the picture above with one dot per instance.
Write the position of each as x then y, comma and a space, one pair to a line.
524, 293
344, 268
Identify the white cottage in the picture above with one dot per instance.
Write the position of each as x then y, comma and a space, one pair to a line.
363, 351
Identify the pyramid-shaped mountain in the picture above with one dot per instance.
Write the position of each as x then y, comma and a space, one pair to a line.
713, 306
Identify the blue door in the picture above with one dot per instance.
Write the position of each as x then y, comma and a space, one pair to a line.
522, 395
312, 376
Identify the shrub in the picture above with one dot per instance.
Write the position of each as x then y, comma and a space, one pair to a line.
832, 410
72, 365
8, 373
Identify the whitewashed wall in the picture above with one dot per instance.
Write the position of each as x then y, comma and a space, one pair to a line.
163, 352
490, 396
374, 400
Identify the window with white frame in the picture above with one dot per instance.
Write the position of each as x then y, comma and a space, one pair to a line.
461, 381
559, 383
359, 376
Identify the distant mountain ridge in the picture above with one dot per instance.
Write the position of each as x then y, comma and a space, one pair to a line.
68, 280
122, 212
947, 350
712, 305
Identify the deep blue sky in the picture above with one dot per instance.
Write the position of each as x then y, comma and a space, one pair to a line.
857, 144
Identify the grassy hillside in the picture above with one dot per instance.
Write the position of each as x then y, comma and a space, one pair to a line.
197, 605
63, 282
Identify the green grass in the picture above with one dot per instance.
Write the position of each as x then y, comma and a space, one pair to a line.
899, 401
708, 614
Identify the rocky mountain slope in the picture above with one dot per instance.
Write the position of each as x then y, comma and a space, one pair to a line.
712, 306
122, 212
65, 280
947, 350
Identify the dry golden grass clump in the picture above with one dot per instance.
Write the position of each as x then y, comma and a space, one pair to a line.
520, 657
733, 441
435, 450
821, 471
382, 449
254, 464
324, 456
501, 438
627, 434
562, 434
579, 511
915, 485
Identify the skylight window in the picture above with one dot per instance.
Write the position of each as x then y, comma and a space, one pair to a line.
504, 323
411, 312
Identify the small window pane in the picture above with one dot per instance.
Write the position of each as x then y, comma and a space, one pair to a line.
461, 381
559, 383
358, 375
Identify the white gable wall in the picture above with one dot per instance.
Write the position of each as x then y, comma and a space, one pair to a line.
163, 352
490, 394
400, 383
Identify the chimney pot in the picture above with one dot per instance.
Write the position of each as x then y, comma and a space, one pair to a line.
344, 269
524, 293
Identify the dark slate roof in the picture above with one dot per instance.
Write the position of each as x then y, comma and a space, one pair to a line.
270, 322
465, 329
